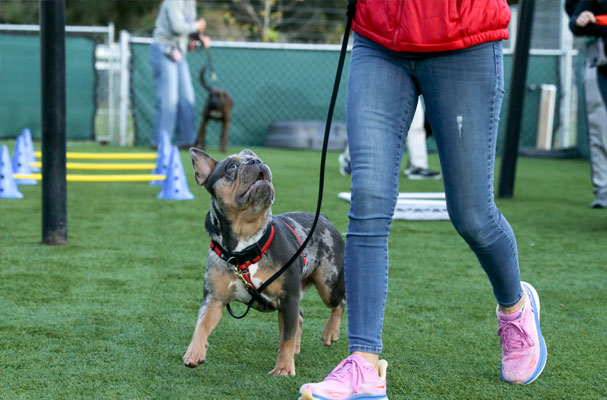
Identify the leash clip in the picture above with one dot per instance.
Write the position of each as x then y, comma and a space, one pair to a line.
239, 273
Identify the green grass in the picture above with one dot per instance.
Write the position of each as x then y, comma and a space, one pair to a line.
110, 314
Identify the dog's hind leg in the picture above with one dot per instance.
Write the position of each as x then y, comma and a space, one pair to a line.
334, 298
330, 334
224, 134
208, 318
202, 131
299, 332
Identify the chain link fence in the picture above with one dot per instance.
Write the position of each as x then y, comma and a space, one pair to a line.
20, 83
293, 82
266, 82
111, 97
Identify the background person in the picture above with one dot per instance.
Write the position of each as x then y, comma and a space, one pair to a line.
175, 100
583, 23
452, 55
417, 164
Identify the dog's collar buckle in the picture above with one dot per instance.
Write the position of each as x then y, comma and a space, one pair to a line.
241, 260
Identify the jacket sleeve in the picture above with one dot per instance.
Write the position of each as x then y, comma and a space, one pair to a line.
177, 21
590, 29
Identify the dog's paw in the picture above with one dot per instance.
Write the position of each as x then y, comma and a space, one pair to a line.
195, 355
330, 335
283, 369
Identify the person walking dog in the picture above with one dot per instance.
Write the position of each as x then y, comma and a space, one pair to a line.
451, 53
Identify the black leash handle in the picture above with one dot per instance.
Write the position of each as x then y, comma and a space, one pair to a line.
233, 314
321, 185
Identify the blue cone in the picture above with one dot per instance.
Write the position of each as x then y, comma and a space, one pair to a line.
21, 163
175, 185
163, 157
8, 187
30, 148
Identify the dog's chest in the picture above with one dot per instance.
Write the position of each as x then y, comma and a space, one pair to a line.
240, 292
216, 114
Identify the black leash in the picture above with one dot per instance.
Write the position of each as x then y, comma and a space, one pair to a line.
256, 294
210, 64
195, 41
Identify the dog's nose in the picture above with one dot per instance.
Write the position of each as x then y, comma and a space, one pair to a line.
252, 162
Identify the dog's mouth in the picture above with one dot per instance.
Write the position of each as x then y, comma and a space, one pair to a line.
262, 185
261, 179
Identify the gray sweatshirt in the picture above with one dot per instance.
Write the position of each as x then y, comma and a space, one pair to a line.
175, 21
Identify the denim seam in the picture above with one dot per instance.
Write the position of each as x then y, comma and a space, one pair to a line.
490, 146
401, 140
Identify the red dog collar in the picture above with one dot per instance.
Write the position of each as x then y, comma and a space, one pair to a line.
243, 259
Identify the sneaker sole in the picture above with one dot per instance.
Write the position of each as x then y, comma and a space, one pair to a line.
543, 351
307, 395
535, 302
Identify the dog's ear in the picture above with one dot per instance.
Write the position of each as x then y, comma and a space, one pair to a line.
203, 165
248, 152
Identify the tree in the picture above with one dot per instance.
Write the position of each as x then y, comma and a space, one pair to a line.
318, 21
126, 14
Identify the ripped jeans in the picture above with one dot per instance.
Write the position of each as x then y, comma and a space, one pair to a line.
463, 92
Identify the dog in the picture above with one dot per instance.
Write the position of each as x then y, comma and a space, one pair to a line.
239, 219
218, 106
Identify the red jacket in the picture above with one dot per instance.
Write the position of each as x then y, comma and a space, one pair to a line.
431, 25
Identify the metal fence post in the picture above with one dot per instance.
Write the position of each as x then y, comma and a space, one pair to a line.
124, 87
516, 100
52, 74
110, 42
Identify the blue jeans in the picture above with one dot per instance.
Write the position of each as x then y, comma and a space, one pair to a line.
463, 92
174, 97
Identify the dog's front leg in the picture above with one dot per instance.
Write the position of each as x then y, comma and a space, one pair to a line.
208, 318
288, 323
224, 133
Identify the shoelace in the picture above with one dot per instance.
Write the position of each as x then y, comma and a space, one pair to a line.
513, 336
348, 367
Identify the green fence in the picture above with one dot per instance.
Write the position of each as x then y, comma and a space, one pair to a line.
269, 84
20, 85
266, 85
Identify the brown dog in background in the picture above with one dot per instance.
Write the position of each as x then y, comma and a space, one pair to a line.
218, 107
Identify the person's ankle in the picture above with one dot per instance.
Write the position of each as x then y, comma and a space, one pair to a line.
515, 308
372, 358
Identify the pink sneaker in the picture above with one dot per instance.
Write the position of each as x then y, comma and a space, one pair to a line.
353, 379
523, 347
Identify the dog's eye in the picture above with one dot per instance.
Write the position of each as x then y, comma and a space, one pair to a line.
233, 167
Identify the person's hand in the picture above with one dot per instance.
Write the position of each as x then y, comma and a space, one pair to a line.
201, 24
206, 41
585, 18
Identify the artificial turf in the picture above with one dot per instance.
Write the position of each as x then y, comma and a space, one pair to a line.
110, 314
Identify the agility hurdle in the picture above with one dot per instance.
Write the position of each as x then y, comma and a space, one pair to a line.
103, 166
108, 166
106, 156
100, 178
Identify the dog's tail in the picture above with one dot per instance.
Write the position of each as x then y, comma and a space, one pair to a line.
203, 82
